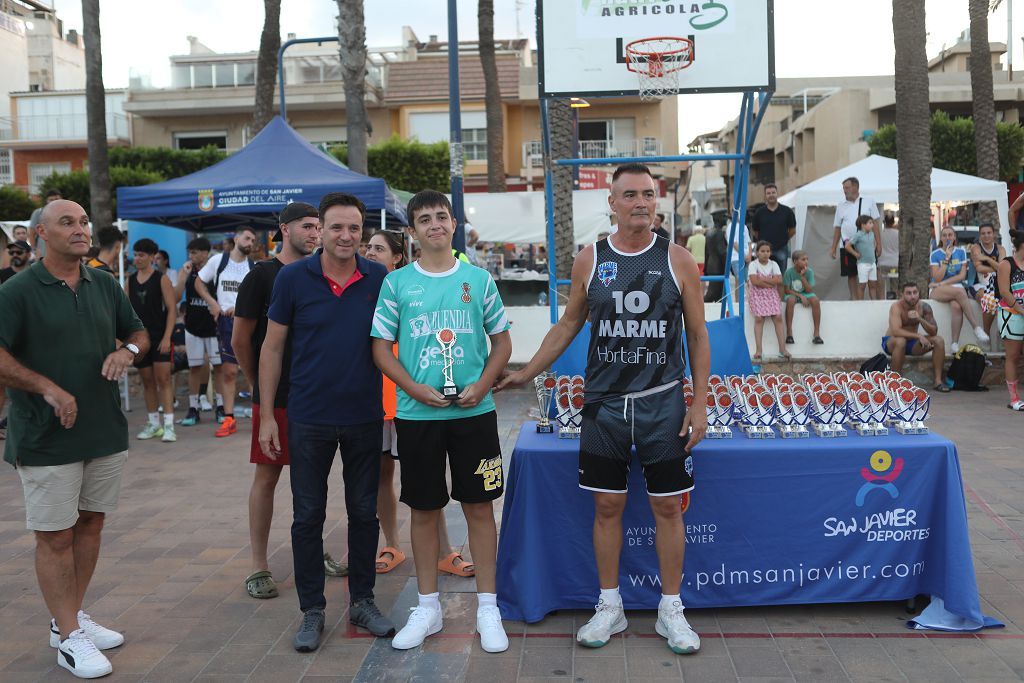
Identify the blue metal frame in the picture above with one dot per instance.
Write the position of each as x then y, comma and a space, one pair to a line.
749, 122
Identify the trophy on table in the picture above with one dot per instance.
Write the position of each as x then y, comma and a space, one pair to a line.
908, 408
794, 412
569, 406
720, 415
545, 384
830, 412
446, 338
757, 412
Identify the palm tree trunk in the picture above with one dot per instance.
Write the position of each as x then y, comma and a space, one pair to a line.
986, 146
913, 139
266, 66
561, 124
492, 98
96, 117
352, 38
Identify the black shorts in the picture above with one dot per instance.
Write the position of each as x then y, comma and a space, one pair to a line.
847, 263
225, 328
474, 456
651, 422
154, 355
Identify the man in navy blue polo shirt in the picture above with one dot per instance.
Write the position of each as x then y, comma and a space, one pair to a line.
326, 302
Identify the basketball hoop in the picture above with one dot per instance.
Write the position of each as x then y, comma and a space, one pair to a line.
657, 62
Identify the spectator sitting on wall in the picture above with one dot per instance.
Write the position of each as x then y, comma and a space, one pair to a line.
949, 273
902, 339
986, 255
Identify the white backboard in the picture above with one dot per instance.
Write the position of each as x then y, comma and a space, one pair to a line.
582, 44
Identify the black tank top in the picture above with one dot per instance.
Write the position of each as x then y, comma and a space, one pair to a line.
198, 321
994, 254
636, 318
148, 301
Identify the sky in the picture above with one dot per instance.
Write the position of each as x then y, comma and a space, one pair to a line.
812, 37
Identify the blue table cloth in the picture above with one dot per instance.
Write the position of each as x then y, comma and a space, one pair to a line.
770, 522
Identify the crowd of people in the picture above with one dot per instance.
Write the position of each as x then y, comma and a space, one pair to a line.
284, 321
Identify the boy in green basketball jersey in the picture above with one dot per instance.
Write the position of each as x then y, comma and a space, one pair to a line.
440, 311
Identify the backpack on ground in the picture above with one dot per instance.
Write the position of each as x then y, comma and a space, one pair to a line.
877, 363
967, 368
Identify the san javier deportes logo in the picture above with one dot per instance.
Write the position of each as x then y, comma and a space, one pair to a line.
894, 524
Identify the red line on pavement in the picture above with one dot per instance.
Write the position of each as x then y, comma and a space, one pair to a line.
993, 516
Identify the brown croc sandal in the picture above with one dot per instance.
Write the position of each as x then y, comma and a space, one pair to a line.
260, 585
386, 563
464, 569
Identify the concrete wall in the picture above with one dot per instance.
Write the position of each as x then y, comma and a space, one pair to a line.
14, 56
851, 330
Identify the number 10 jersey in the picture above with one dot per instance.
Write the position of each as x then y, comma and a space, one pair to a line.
636, 318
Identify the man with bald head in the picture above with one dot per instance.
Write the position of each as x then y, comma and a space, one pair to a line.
60, 360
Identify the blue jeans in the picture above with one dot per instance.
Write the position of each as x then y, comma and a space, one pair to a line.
781, 256
312, 449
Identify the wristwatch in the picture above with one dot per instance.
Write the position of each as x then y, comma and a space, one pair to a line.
132, 348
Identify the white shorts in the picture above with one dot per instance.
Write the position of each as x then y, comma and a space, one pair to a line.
390, 439
55, 493
198, 349
867, 271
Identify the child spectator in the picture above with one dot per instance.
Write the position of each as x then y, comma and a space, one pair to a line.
764, 278
862, 247
798, 283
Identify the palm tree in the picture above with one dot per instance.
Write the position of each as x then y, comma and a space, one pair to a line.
492, 98
913, 139
266, 65
352, 40
560, 122
986, 146
96, 117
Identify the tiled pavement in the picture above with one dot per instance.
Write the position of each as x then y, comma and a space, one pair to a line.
176, 552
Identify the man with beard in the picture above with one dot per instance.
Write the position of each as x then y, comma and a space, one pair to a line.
298, 235
226, 273
18, 252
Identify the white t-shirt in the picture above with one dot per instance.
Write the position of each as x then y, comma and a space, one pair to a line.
847, 213
767, 269
230, 279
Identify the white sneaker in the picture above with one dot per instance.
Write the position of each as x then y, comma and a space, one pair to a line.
979, 332
953, 348
204, 404
606, 622
104, 638
169, 435
150, 431
492, 633
79, 655
673, 626
423, 622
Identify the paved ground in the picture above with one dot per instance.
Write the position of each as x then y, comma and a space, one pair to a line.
176, 552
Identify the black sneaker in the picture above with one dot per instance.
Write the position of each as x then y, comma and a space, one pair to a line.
307, 638
789, 340
364, 613
220, 414
191, 419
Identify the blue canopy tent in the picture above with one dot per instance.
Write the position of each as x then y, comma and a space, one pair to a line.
252, 186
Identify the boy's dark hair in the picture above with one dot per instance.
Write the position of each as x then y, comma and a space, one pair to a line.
146, 246
632, 168
341, 199
246, 228
862, 219
799, 253
908, 284
986, 224
427, 199
53, 193
107, 237
199, 244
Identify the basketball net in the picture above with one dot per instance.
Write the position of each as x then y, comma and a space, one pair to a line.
657, 63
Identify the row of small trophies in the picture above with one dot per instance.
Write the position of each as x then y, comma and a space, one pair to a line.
567, 392
869, 404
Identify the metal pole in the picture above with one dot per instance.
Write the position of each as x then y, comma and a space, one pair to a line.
455, 126
549, 211
280, 64
1009, 37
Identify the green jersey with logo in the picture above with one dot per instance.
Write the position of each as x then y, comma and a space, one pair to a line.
415, 307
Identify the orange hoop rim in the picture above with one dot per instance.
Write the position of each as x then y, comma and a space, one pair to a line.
633, 54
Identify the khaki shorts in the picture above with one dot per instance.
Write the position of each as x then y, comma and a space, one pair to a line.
54, 494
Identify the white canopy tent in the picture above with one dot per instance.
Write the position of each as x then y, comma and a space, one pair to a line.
814, 205
519, 216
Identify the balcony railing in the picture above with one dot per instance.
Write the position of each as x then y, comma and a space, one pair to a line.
600, 149
58, 127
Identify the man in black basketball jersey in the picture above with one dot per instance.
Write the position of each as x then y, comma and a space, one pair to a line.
641, 294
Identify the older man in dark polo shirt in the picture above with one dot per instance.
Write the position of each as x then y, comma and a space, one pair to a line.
60, 360
326, 302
